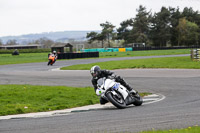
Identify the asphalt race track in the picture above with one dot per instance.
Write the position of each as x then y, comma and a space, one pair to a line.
179, 109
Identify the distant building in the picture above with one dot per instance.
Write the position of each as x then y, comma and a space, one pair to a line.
138, 44
62, 47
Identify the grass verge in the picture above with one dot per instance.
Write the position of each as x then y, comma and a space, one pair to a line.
168, 62
19, 99
23, 58
193, 129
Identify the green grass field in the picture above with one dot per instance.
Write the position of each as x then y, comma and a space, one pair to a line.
23, 58
168, 62
19, 99
43, 57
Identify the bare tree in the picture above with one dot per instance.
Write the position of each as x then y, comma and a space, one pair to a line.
11, 42
44, 41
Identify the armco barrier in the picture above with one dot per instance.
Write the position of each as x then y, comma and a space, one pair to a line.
107, 49
78, 55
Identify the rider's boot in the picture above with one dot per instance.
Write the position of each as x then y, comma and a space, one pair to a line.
121, 80
103, 101
131, 90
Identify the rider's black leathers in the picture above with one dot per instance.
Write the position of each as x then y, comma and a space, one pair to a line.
106, 73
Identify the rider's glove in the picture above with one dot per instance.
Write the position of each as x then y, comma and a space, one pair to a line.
113, 76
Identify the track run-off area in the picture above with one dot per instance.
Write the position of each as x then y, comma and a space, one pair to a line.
179, 109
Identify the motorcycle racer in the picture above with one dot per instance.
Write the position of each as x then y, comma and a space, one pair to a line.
97, 73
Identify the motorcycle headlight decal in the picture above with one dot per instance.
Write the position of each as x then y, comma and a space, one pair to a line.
116, 86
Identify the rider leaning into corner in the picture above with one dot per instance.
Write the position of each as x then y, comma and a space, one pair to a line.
97, 73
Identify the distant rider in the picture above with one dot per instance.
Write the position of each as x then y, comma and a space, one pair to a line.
55, 54
97, 73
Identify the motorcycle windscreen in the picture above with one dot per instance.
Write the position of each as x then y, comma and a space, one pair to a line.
100, 82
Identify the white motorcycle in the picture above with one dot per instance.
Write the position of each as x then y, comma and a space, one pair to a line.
116, 93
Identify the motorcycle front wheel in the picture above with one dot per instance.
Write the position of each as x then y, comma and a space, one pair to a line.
116, 100
49, 62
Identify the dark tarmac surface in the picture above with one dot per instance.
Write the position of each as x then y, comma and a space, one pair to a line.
179, 109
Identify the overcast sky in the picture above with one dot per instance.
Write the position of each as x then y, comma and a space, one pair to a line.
35, 16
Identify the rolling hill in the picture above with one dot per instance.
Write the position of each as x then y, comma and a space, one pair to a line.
60, 36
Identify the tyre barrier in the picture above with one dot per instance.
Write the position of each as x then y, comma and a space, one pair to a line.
78, 55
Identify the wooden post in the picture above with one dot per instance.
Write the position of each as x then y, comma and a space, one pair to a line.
192, 54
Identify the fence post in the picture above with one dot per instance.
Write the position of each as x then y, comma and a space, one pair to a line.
192, 54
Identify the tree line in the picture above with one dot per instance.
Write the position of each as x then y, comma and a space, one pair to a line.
168, 27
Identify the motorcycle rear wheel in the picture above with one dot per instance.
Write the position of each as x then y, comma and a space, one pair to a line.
116, 101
